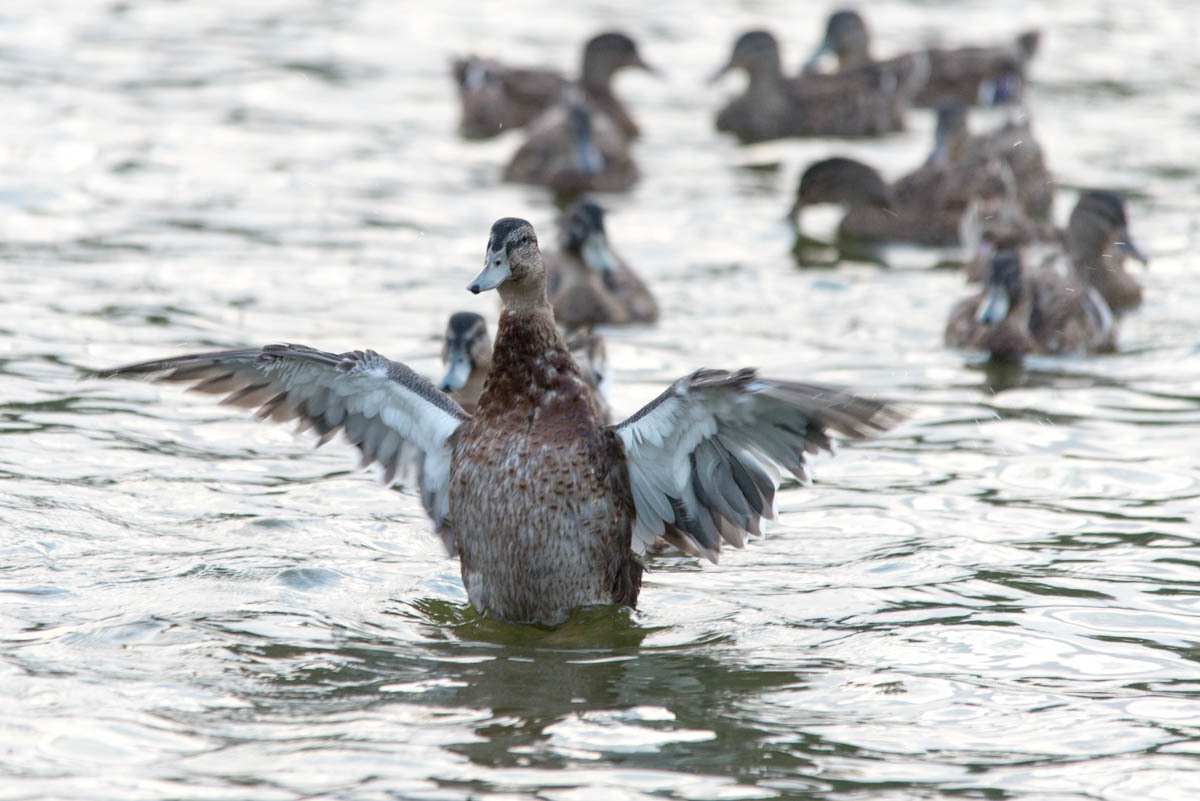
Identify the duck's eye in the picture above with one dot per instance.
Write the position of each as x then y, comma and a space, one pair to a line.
524, 240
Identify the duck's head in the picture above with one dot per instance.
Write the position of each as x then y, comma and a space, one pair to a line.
466, 349
846, 36
513, 264
608, 52
1097, 222
951, 135
844, 181
756, 52
583, 234
1002, 290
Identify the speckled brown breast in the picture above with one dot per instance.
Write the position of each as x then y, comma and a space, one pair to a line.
539, 490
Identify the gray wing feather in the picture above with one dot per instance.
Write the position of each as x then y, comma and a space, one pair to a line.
704, 456
384, 409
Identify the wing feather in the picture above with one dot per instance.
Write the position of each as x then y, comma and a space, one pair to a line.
705, 456
383, 407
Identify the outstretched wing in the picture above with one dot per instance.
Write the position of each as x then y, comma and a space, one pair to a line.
704, 456
383, 407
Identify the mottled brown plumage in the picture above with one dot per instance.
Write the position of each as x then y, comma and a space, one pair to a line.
467, 354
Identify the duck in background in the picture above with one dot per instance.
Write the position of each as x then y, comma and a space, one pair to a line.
571, 150
1099, 241
986, 76
547, 508
467, 357
587, 282
1013, 143
928, 206
496, 98
1092, 249
1023, 311
863, 102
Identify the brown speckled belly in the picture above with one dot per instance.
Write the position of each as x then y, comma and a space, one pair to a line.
541, 521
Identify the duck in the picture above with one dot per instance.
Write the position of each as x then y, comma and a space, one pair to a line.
864, 102
573, 150
547, 508
978, 75
467, 357
589, 284
1092, 249
1099, 242
962, 183
497, 98
1021, 312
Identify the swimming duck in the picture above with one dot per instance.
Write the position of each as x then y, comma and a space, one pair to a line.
1021, 312
467, 356
546, 508
1091, 249
589, 284
863, 102
498, 98
971, 75
573, 150
1099, 240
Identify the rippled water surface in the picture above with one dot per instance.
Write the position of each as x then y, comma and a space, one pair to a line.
999, 599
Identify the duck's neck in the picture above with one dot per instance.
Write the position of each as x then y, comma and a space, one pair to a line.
766, 77
530, 361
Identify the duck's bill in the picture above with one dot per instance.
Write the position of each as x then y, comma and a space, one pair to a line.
1126, 244
994, 307
495, 272
719, 74
793, 214
596, 253
640, 63
457, 373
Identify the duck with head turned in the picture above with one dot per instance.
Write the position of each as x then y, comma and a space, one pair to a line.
496, 98
986, 75
547, 508
588, 283
467, 356
864, 102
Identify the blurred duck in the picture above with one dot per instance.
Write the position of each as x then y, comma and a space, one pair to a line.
971, 75
1099, 240
863, 102
589, 284
573, 150
498, 98
1013, 143
1092, 249
467, 356
1021, 312
929, 205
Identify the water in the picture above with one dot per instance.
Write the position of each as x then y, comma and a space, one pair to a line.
999, 599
